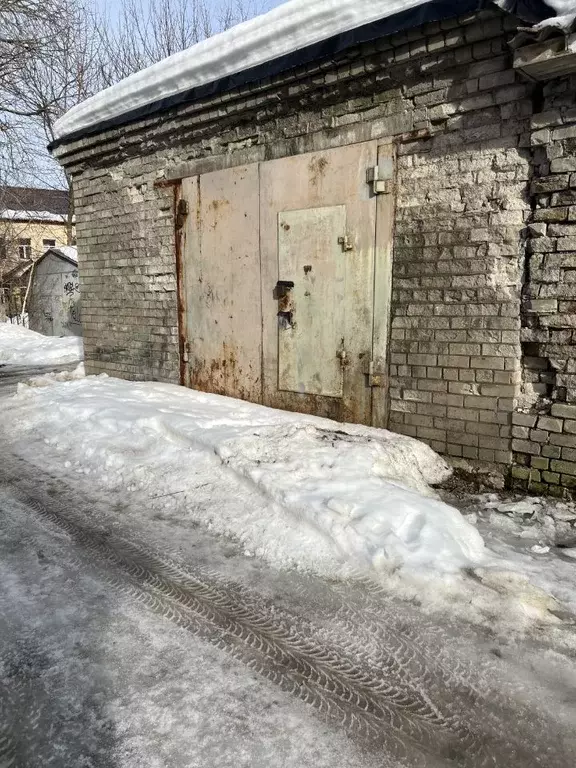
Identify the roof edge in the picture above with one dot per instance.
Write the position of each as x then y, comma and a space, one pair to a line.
435, 10
531, 11
57, 252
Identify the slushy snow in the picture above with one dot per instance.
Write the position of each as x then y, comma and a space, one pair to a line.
283, 30
20, 346
310, 491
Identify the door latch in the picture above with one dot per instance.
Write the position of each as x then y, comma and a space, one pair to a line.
346, 243
283, 295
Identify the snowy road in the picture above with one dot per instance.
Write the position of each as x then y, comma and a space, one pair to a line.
124, 644
10, 375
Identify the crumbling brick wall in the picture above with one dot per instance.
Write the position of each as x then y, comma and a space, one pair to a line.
544, 428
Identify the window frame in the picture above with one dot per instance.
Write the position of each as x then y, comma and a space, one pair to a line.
24, 248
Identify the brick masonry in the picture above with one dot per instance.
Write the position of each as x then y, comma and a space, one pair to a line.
484, 207
544, 434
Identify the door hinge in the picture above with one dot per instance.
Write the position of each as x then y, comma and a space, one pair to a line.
186, 353
182, 210
380, 177
376, 378
342, 355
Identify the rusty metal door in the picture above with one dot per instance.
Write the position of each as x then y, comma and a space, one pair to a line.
317, 241
285, 282
221, 283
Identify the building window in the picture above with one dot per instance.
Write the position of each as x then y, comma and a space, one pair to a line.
48, 243
3, 248
25, 248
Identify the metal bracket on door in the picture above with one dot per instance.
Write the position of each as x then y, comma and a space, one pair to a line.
380, 177
346, 243
376, 378
342, 355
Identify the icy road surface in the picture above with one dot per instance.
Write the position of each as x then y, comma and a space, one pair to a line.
129, 641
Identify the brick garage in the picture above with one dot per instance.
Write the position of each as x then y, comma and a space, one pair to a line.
480, 354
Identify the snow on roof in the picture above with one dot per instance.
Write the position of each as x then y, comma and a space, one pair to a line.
69, 252
32, 216
284, 29
290, 27
558, 25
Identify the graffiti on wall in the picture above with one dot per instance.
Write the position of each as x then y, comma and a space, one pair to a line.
55, 300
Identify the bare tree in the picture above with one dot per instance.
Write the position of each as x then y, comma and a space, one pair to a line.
18, 42
147, 33
16, 36
56, 53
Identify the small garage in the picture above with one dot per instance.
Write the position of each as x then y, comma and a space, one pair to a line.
54, 298
353, 209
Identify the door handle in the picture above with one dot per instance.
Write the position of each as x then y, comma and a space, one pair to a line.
283, 294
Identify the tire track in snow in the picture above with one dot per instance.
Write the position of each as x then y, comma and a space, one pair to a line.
275, 649
388, 698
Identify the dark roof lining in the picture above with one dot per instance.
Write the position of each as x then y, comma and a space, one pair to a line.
16, 273
57, 252
31, 199
435, 10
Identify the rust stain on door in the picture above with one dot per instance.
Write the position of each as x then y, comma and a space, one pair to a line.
221, 275
224, 374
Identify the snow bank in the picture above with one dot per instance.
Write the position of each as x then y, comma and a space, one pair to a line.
283, 30
20, 346
309, 491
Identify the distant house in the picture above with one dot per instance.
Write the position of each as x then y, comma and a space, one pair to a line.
31, 221
54, 298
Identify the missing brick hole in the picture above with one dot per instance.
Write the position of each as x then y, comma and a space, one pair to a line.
538, 98
538, 377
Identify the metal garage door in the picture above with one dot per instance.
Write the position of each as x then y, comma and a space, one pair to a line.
286, 282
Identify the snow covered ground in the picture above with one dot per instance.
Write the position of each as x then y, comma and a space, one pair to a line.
129, 639
20, 346
89, 676
341, 501
535, 536
332, 493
